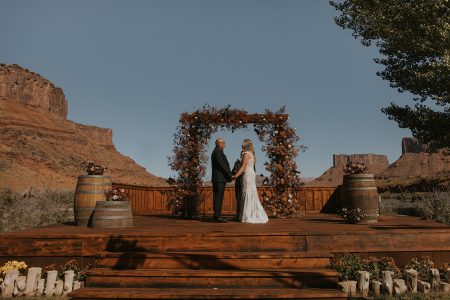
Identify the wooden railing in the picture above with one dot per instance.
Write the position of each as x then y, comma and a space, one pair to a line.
147, 200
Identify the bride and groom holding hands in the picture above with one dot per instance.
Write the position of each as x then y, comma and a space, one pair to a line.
249, 207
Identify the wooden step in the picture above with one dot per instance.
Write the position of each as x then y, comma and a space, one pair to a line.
205, 293
287, 278
223, 242
211, 260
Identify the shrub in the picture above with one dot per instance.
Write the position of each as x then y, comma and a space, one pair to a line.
436, 206
347, 265
34, 208
422, 266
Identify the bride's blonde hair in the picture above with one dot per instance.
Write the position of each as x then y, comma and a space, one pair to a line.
247, 145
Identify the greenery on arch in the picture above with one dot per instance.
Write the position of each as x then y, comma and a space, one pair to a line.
189, 157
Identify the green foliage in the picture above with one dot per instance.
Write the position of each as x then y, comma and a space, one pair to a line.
34, 208
422, 266
348, 265
413, 38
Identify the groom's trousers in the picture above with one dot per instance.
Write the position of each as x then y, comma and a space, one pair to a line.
218, 192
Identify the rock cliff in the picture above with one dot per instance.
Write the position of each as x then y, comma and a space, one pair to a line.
40, 148
375, 164
29, 88
414, 165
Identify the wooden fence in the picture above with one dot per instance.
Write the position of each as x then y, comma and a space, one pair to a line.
148, 200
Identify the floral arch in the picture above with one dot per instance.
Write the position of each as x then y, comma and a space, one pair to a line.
189, 157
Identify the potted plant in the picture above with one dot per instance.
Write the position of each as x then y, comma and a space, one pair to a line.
360, 194
115, 212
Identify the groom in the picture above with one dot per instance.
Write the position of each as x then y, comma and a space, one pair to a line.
221, 174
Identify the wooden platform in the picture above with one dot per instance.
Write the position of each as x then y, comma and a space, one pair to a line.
162, 257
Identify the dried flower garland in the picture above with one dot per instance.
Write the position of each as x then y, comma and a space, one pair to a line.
189, 156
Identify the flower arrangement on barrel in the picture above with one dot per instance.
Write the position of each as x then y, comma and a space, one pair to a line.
355, 167
189, 156
94, 168
116, 195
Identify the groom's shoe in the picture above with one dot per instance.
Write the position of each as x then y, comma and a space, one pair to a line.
219, 220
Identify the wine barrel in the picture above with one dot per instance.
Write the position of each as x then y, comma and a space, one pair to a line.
112, 214
360, 191
90, 189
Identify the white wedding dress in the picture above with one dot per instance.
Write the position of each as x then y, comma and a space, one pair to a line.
253, 211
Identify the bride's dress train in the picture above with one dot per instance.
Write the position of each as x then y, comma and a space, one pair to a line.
253, 211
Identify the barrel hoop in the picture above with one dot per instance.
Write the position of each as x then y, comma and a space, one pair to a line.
365, 188
94, 176
360, 180
102, 209
96, 218
94, 183
90, 192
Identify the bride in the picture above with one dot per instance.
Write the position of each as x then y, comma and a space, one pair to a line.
253, 211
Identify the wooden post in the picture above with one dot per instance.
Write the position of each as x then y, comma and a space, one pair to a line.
435, 278
40, 287
8, 284
50, 285
411, 280
399, 287
59, 287
33, 276
376, 288
19, 285
363, 283
68, 281
387, 283
349, 287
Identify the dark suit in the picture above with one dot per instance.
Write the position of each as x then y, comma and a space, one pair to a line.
238, 189
221, 174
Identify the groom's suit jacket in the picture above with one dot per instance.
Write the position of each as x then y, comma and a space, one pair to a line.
220, 167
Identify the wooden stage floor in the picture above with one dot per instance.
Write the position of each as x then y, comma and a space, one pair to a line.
401, 237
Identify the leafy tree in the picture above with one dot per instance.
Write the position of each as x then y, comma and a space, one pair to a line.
413, 37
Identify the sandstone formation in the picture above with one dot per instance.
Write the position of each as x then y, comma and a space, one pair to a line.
40, 148
29, 88
415, 162
375, 164
415, 168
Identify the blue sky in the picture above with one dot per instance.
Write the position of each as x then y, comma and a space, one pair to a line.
135, 66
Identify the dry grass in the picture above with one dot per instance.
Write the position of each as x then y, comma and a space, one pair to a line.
34, 208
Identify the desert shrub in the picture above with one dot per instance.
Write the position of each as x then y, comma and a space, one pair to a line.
436, 206
422, 266
375, 266
347, 265
34, 208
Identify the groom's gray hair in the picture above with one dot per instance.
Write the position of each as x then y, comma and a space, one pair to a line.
219, 140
